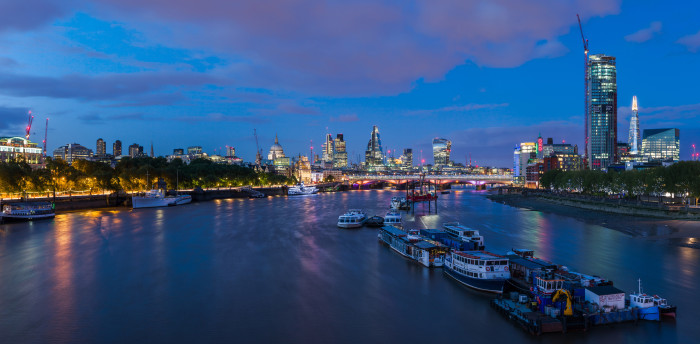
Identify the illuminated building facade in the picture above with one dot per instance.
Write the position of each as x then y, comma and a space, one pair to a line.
407, 159
327, 147
135, 150
117, 148
661, 144
634, 137
340, 154
72, 152
374, 156
441, 151
19, 148
601, 145
101, 148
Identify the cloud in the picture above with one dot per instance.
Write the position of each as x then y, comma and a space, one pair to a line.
219, 117
353, 48
288, 107
691, 42
456, 109
12, 118
345, 118
29, 14
645, 34
101, 87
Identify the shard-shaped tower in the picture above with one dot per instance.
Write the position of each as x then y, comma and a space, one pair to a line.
634, 128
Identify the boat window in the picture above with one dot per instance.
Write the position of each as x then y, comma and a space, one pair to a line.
481, 262
489, 263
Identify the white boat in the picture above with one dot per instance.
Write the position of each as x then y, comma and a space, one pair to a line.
651, 307
411, 245
22, 211
152, 199
393, 218
300, 189
398, 203
181, 199
464, 233
480, 270
354, 218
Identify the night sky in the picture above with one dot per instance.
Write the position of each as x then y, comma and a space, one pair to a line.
484, 74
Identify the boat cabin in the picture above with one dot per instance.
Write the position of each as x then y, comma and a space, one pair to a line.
464, 233
480, 264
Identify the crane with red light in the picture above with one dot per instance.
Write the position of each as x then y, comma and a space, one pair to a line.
46, 133
585, 70
29, 125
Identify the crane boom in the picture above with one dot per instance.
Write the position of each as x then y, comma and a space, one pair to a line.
583, 38
585, 79
29, 125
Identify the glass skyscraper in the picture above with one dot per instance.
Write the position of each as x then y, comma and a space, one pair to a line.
340, 155
441, 151
374, 157
661, 144
601, 145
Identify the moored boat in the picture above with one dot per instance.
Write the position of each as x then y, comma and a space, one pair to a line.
464, 233
301, 189
412, 246
651, 307
393, 218
24, 211
354, 218
152, 199
375, 221
480, 270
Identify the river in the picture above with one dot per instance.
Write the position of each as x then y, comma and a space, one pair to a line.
278, 270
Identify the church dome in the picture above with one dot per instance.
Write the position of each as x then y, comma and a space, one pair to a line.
276, 150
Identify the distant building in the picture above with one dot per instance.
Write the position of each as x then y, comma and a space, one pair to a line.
101, 149
72, 152
340, 154
601, 126
19, 148
661, 144
230, 151
178, 151
194, 151
327, 149
634, 138
374, 156
117, 148
407, 159
135, 151
441, 151
276, 151
521, 158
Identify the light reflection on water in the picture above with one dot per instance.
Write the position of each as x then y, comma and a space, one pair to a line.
278, 270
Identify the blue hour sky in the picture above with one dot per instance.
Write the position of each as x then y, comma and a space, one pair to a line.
484, 74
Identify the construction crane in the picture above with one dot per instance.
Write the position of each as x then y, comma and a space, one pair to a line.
29, 125
258, 155
585, 71
568, 311
46, 133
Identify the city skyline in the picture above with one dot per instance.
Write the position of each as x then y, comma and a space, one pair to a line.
117, 71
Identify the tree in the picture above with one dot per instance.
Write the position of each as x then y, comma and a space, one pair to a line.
329, 179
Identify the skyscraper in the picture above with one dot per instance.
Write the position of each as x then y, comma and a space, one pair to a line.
340, 155
117, 148
407, 158
101, 148
135, 150
634, 128
601, 124
441, 151
661, 144
327, 154
373, 155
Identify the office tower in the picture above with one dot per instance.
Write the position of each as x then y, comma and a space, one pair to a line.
117, 148
135, 150
178, 151
441, 151
101, 150
407, 158
230, 151
634, 128
327, 149
340, 155
661, 144
373, 155
72, 152
601, 123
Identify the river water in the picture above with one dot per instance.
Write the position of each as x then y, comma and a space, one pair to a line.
278, 270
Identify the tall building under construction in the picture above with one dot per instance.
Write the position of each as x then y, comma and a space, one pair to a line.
601, 122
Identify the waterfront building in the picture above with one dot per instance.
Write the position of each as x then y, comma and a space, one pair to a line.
441, 151
374, 156
72, 152
178, 151
327, 149
135, 150
19, 148
601, 124
340, 154
522, 156
101, 148
117, 148
634, 137
661, 144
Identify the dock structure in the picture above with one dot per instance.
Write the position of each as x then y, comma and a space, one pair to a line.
534, 322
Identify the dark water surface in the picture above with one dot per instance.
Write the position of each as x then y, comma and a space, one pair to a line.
277, 270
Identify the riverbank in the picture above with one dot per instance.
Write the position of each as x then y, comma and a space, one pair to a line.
681, 232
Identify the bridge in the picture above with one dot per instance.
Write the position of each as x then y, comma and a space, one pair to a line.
475, 179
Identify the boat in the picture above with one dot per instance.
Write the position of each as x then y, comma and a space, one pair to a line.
480, 270
650, 307
354, 218
300, 189
375, 221
464, 233
444, 192
153, 199
393, 218
412, 246
395, 203
180, 199
24, 211
422, 197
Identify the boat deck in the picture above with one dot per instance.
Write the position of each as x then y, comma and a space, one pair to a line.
532, 321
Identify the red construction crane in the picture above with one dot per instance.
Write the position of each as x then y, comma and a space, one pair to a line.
29, 125
46, 133
585, 78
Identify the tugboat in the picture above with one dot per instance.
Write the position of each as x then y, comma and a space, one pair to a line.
651, 307
480, 270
